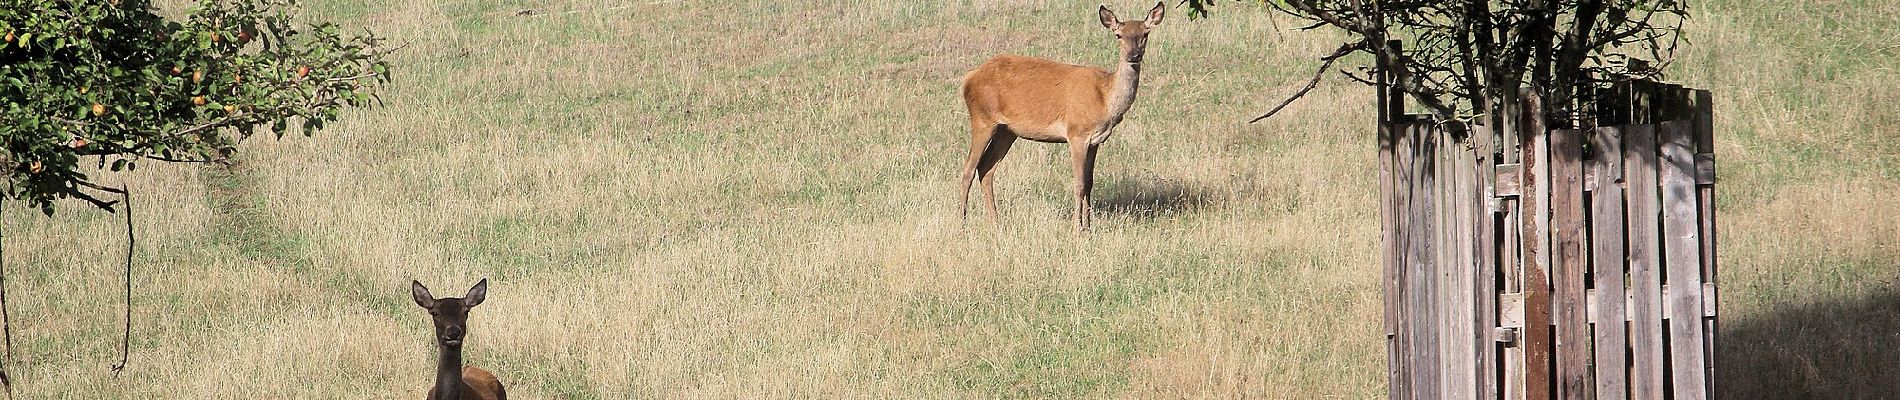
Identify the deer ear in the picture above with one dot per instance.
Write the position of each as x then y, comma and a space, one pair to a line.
476, 294
1154, 16
1108, 18
421, 294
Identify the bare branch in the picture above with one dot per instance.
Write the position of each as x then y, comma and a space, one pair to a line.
131, 245
1327, 61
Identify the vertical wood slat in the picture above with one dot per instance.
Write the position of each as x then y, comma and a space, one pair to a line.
1705, 144
1424, 344
1456, 378
1443, 268
1390, 223
1511, 264
1463, 246
1463, 304
1535, 203
1404, 188
1568, 263
1484, 259
1682, 260
1510, 272
1645, 256
1466, 329
1607, 258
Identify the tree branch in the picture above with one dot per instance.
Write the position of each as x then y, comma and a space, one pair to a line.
1327, 61
131, 245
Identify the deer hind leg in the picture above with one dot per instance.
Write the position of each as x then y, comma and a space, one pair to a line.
1083, 154
986, 166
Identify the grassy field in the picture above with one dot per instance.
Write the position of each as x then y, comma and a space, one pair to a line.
740, 199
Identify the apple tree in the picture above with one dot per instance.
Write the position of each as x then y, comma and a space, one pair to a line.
94, 85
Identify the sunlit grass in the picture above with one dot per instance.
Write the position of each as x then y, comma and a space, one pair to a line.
733, 199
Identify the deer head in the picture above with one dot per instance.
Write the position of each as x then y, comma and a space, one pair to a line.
1132, 34
450, 314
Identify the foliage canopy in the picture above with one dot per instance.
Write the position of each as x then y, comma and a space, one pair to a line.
113, 82
1463, 57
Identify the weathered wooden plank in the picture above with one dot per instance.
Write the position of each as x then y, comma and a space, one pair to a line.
1705, 180
1461, 372
1708, 303
1682, 259
1443, 246
1515, 303
1642, 109
1424, 364
1473, 201
1484, 258
1389, 255
1393, 215
1607, 264
1404, 186
1641, 162
1476, 329
1589, 178
1704, 169
1707, 297
1510, 273
1468, 333
1508, 184
1535, 246
1511, 310
1568, 261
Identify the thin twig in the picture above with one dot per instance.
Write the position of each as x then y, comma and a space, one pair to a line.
1327, 61
131, 244
5, 325
96, 202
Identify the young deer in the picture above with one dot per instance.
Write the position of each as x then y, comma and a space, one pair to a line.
452, 380
1013, 96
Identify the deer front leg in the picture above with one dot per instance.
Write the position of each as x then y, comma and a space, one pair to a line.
1083, 155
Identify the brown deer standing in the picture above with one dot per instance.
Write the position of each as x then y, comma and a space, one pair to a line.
1013, 96
452, 380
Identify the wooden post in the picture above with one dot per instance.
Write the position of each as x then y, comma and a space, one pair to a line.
1389, 207
1395, 96
1537, 339
1705, 188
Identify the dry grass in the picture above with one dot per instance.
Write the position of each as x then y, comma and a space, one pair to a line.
755, 200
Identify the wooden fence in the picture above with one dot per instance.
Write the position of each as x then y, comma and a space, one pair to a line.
1552, 263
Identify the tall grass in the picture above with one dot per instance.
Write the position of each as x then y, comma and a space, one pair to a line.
756, 200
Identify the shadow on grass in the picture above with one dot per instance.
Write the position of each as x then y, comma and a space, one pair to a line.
1833, 350
1145, 199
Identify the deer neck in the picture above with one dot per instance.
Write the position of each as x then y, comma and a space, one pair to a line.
1121, 90
448, 374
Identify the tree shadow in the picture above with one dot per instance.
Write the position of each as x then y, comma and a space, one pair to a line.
1831, 350
1147, 199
